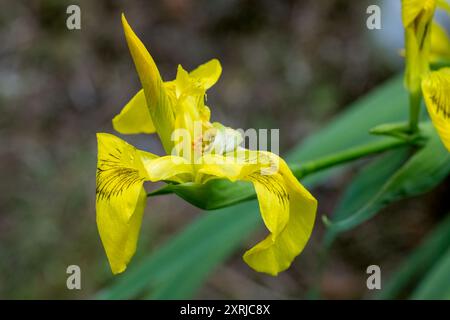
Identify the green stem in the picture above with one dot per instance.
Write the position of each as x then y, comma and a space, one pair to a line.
301, 170
415, 99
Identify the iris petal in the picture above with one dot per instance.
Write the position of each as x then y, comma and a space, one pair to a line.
208, 73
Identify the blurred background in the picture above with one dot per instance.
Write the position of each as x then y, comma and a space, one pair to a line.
291, 65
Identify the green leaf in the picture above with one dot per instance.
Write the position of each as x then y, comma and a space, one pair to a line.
436, 284
419, 262
421, 173
193, 254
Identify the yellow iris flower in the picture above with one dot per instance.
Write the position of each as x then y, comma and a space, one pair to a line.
287, 208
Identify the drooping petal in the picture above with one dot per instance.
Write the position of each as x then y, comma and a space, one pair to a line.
444, 5
208, 73
135, 117
272, 256
120, 237
287, 208
120, 198
436, 92
158, 103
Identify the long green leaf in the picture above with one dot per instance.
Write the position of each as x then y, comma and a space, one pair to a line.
419, 262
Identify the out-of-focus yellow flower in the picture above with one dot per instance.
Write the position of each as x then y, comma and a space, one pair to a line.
440, 43
417, 17
287, 208
436, 92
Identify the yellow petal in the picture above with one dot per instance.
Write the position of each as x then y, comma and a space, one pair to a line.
436, 91
440, 44
270, 189
208, 73
134, 117
120, 237
443, 4
158, 102
120, 198
169, 168
190, 101
287, 208
273, 201
186, 85
411, 9
417, 17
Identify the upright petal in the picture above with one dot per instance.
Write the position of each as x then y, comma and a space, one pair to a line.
134, 117
120, 237
208, 73
287, 208
158, 102
440, 43
120, 198
411, 9
436, 91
